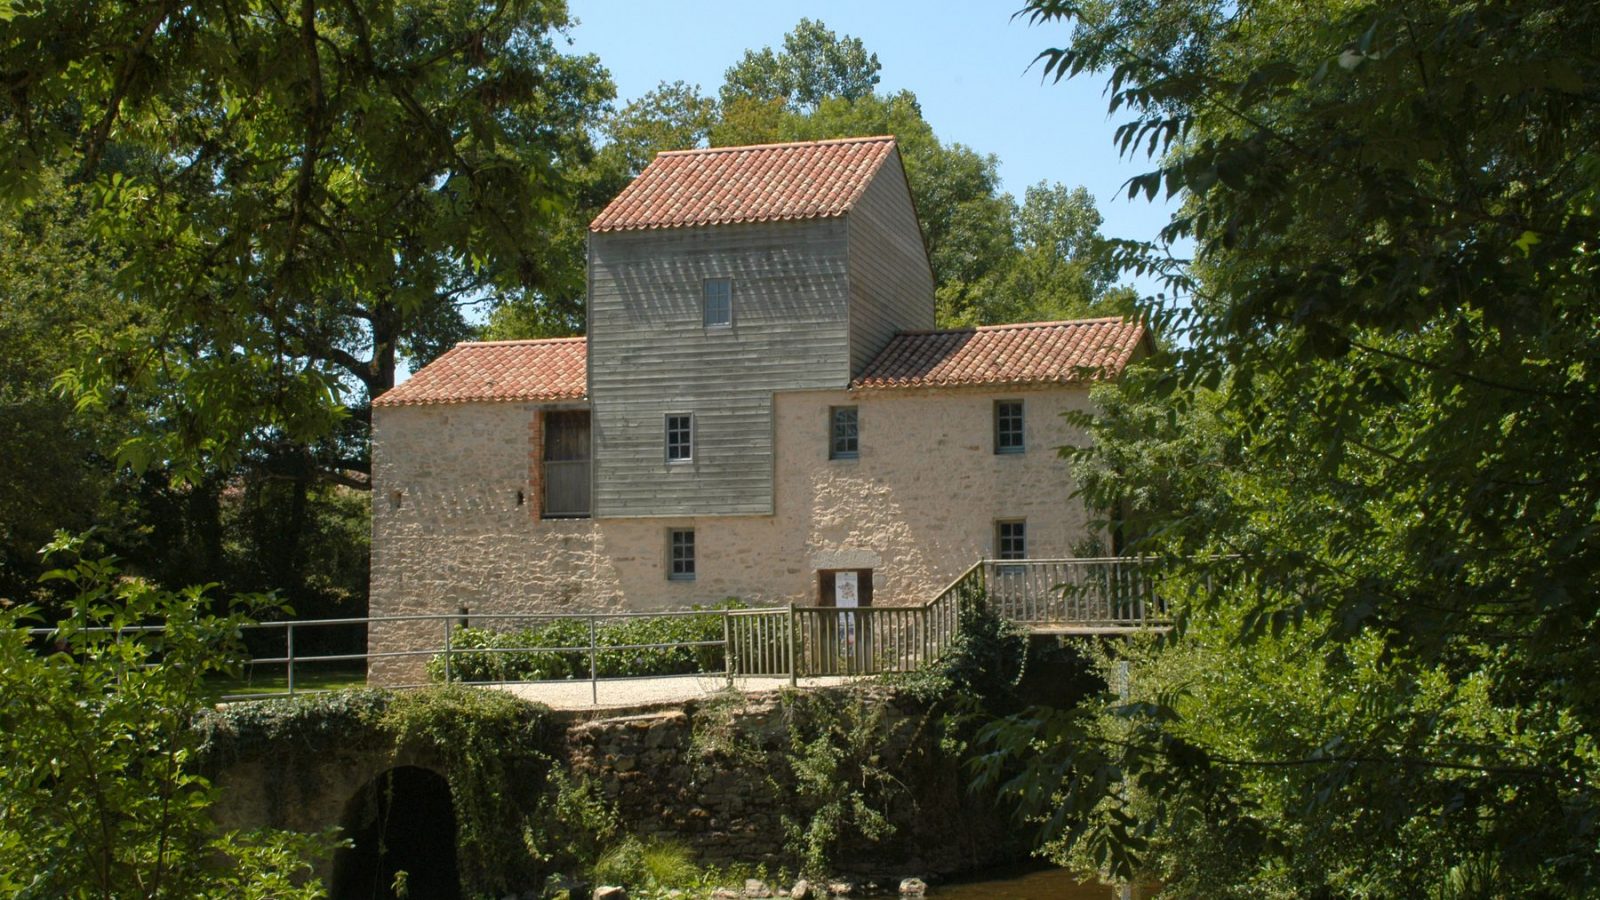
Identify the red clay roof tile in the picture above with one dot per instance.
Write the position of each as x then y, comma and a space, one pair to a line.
544, 370
1029, 353
1072, 352
769, 182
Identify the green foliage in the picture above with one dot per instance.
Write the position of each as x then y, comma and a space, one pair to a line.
536, 654
1359, 464
827, 770
311, 724
981, 669
55, 277
513, 820
301, 197
495, 751
97, 750
575, 824
841, 789
646, 867
814, 65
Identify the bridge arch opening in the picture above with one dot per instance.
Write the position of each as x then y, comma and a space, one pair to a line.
401, 821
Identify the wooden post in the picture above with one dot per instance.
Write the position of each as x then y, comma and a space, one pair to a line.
594, 674
727, 648
794, 657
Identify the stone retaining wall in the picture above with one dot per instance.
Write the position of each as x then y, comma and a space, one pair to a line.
672, 775
713, 775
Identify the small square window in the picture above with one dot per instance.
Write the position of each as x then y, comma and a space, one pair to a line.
680, 554
718, 302
845, 433
680, 437
1011, 539
1008, 426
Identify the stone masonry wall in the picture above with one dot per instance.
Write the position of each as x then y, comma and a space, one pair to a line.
730, 806
456, 512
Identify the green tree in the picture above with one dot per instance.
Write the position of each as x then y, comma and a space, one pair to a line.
54, 279
96, 746
674, 116
814, 65
988, 266
303, 195
1359, 465
1061, 270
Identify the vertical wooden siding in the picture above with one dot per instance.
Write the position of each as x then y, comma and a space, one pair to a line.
650, 354
891, 284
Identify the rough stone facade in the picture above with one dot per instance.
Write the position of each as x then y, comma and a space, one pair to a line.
458, 525
710, 775
668, 781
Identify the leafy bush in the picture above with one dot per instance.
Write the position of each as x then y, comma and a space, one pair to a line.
983, 665
841, 788
102, 797
536, 654
309, 723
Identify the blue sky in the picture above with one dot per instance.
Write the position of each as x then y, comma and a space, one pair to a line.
967, 62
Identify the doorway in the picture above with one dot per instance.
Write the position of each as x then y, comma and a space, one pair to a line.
843, 643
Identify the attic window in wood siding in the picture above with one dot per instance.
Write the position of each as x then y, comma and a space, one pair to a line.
680, 437
718, 297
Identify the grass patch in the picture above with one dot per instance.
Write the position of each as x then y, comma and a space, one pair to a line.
308, 676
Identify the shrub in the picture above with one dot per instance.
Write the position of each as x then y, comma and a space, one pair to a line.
653, 866
535, 654
982, 667
101, 795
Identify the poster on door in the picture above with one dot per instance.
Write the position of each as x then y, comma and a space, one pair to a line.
847, 595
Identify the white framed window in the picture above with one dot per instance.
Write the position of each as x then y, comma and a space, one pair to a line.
844, 432
680, 554
680, 437
1011, 539
717, 296
1008, 427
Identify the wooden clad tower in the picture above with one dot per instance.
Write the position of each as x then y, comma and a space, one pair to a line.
720, 277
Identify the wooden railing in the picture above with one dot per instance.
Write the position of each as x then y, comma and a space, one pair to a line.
1109, 593
805, 641
1064, 595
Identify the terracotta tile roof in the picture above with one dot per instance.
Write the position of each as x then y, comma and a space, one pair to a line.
498, 370
1029, 353
722, 185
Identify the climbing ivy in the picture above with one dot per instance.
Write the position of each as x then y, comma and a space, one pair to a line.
494, 750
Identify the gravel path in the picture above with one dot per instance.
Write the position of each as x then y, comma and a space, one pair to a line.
625, 693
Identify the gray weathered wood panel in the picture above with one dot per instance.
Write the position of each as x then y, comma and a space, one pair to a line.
650, 355
891, 283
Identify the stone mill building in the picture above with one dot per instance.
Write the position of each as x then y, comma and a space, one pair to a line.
761, 403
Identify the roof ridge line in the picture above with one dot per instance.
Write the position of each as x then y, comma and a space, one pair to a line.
1010, 326
558, 340
861, 139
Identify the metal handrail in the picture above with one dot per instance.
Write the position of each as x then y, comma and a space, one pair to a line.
790, 640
